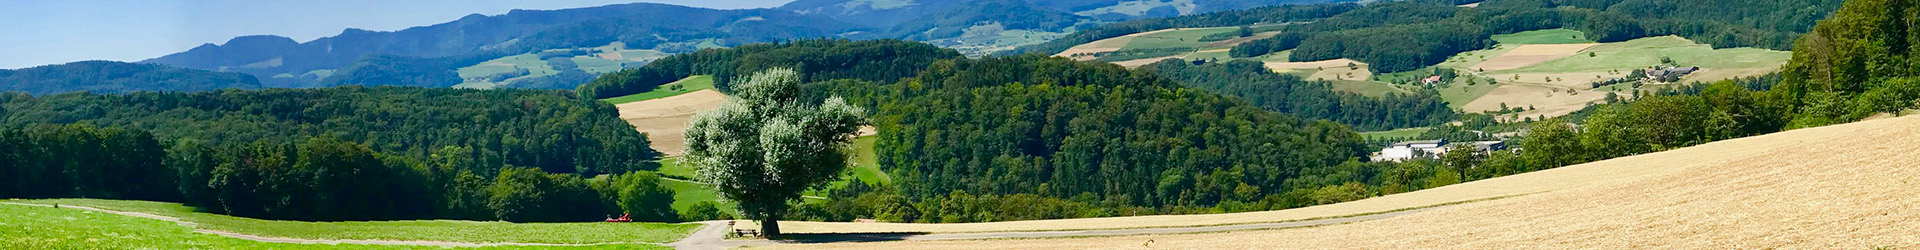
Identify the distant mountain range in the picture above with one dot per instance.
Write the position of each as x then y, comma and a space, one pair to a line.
430, 55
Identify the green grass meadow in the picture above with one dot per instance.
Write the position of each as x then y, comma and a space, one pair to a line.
680, 176
54, 227
1646, 52
1189, 38
1548, 36
1367, 88
688, 85
1397, 133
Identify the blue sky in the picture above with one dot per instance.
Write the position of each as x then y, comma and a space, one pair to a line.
41, 32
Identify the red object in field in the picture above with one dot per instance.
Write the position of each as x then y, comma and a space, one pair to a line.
623, 218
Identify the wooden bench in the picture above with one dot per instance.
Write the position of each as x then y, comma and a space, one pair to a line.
742, 232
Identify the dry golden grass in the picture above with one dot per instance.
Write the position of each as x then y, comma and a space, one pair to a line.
1335, 69
1530, 54
1135, 63
1850, 186
1548, 101
665, 120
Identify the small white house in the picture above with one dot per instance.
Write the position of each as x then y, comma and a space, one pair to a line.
1408, 150
1404, 151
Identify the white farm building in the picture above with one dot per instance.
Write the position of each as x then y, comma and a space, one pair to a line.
1409, 150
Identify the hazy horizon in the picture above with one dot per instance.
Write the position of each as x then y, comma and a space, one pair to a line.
56, 32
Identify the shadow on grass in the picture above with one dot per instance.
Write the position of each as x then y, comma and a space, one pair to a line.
844, 237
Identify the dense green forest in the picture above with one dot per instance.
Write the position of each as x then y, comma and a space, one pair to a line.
1010, 14
118, 77
348, 153
816, 59
317, 179
1291, 95
1402, 36
1854, 65
1086, 138
549, 130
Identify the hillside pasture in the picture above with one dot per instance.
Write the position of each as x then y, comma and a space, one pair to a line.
1135, 63
1367, 88
1212, 54
664, 120
1647, 52
1328, 70
1397, 133
1547, 101
1176, 38
37, 227
1084, 52
1836, 187
682, 86
1530, 54
413, 230
1546, 36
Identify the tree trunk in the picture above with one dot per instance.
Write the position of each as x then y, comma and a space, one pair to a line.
770, 226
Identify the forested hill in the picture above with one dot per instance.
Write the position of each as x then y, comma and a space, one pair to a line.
816, 59
1308, 99
1087, 132
894, 12
1010, 14
641, 26
118, 77
550, 130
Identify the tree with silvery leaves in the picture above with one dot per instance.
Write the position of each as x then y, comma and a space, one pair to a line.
763, 147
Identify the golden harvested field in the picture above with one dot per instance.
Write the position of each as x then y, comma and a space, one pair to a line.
1084, 52
1547, 101
1135, 63
1849, 186
665, 120
1531, 54
1335, 69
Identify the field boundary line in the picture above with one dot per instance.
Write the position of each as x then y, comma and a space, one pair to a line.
276, 239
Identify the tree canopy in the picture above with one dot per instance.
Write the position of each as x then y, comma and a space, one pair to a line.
765, 147
118, 77
872, 60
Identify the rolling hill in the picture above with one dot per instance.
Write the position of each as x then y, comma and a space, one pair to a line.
281, 62
1841, 186
118, 77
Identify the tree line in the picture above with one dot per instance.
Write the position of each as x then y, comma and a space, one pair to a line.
550, 130
1084, 133
1291, 95
318, 179
118, 77
816, 59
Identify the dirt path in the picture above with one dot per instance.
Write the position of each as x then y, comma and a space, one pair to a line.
712, 236
1165, 230
273, 239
